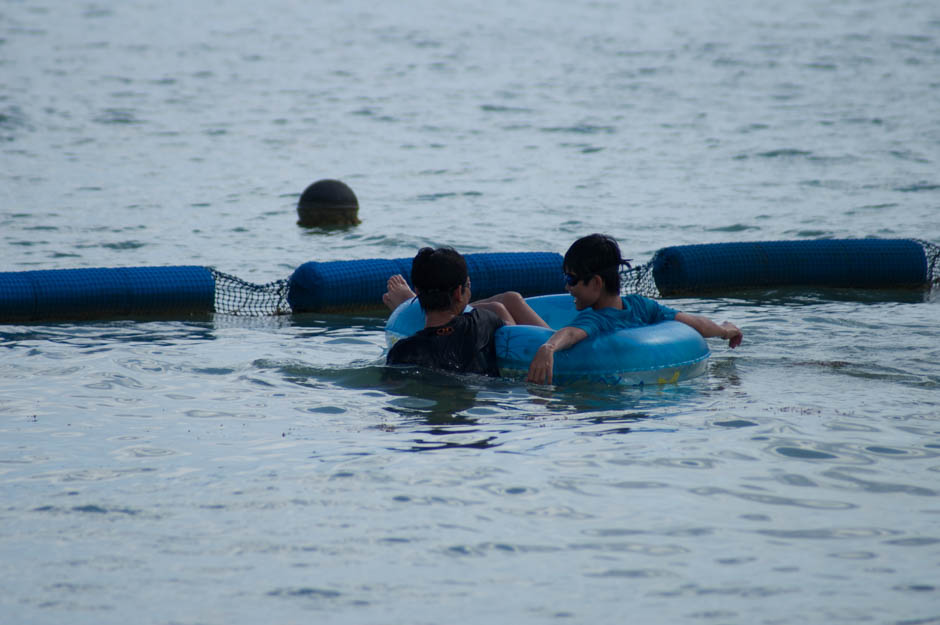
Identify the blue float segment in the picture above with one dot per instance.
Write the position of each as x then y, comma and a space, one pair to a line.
343, 285
837, 263
350, 285
665, 352
105, 292
529, 273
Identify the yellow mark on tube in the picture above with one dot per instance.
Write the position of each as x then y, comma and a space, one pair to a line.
672, 380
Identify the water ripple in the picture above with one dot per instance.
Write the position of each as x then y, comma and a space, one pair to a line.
880, 487
143, 452
487, 548
117, 116
775, 500
90, 475
817, 452
830, 533
632, 573
305, 593
88, 509
749, 592
919, 541
687, 463
631, 547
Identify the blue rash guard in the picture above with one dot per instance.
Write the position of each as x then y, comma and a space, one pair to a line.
637, 311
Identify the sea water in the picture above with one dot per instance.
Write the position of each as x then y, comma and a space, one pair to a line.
269, 470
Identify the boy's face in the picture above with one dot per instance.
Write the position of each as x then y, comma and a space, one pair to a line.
585, 292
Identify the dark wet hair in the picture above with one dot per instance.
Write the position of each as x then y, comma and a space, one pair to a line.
435, 274
596, 255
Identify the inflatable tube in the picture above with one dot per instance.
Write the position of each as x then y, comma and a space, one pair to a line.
352, 285
838, 263
665, 352
104, 292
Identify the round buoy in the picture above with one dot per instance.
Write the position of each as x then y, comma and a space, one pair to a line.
328, 203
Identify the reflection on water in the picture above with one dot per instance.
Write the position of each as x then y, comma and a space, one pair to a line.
260, 434
803, 296
106, 334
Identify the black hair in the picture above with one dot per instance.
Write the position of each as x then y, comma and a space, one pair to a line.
435, 274
596, 255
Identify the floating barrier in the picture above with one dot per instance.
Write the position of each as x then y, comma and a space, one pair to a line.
835, 263
103, 293
345, 286
358, 285
321, 287
664, 352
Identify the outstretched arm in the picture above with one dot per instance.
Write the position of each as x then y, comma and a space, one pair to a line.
540, 370
708, 328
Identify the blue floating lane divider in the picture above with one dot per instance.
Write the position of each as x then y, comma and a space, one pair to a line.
105, 292
837, 263
358, 285
350, 285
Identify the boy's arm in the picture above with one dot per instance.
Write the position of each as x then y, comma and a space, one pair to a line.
540, 370
708, 328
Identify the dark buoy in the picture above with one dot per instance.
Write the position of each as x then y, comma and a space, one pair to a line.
328, 203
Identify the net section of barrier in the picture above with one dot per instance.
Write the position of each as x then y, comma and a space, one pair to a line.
932, 252
639, 281
234, 296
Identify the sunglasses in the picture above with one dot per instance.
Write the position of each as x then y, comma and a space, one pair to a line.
571, 279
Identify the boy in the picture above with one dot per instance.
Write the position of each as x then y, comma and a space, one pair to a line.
452, 340
592, 273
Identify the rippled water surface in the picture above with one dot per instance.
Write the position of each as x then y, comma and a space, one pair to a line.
230, 470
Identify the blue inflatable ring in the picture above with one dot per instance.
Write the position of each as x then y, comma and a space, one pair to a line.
665, 352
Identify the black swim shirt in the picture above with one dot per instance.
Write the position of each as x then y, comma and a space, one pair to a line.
464, 345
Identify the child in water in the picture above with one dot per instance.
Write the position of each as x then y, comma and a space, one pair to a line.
592, 275
452, 339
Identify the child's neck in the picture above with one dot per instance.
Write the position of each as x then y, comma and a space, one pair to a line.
436, 318
608, 300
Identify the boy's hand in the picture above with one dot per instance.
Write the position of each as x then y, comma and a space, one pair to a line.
540, 369
733, 334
